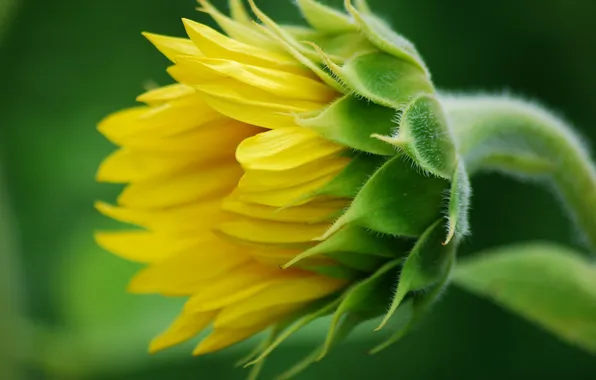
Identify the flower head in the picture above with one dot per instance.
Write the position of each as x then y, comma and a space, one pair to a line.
289, 173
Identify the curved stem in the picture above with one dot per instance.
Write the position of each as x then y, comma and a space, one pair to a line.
517, 137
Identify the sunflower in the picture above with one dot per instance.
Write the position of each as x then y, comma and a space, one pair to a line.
258, 189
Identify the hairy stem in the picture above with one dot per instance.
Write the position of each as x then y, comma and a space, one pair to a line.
520, 138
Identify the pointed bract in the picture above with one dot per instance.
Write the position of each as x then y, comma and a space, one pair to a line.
428, 264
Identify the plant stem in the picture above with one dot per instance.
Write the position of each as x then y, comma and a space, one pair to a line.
521, 138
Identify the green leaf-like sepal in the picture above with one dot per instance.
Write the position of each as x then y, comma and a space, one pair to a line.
301, 365
356, 239
351, 121
382, 78
365, 300
338, 48
295, 323
239, 12
459, 203
413, 309
425, 136
396, 200
339, 37
333, 270
427, 265
239, 28
350, 180
358, 248
295, 49
325, 19
383, 37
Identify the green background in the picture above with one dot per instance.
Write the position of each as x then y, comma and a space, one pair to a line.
64, 312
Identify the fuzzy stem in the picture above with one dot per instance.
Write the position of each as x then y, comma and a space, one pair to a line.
521, 138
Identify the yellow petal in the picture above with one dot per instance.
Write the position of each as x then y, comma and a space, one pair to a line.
266, 115
223, 338
185, 327
185, 273
172, 46
183, 188
165, 94
276, 82
242, 102
266, 232
117, 125
313, 212
284, 149
262, 180
168, 119
235, 286
273, 255
144, 246
292, 47
292, 196
185, 219
222, 135
269, 315
239, 30
146, 158
216, 45
126, 165
291, 291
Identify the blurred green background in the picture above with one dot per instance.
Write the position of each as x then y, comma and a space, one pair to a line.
64, 312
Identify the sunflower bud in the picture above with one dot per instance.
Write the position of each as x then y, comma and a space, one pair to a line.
291, 173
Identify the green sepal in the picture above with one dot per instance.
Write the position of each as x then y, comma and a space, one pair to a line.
333, 270
365, 300
383, 37
397, 200
400, 323
357, 241
269, 337
338, 47
256, 369
351, 121
425, 136
301, 365
346, 325
362, 6
427, 265
350, 180
325, 19
341, 332
298, 42
288, 327
239, 12
411, 311
299, 32
284, 37
459, 203
382, 78
357, 261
